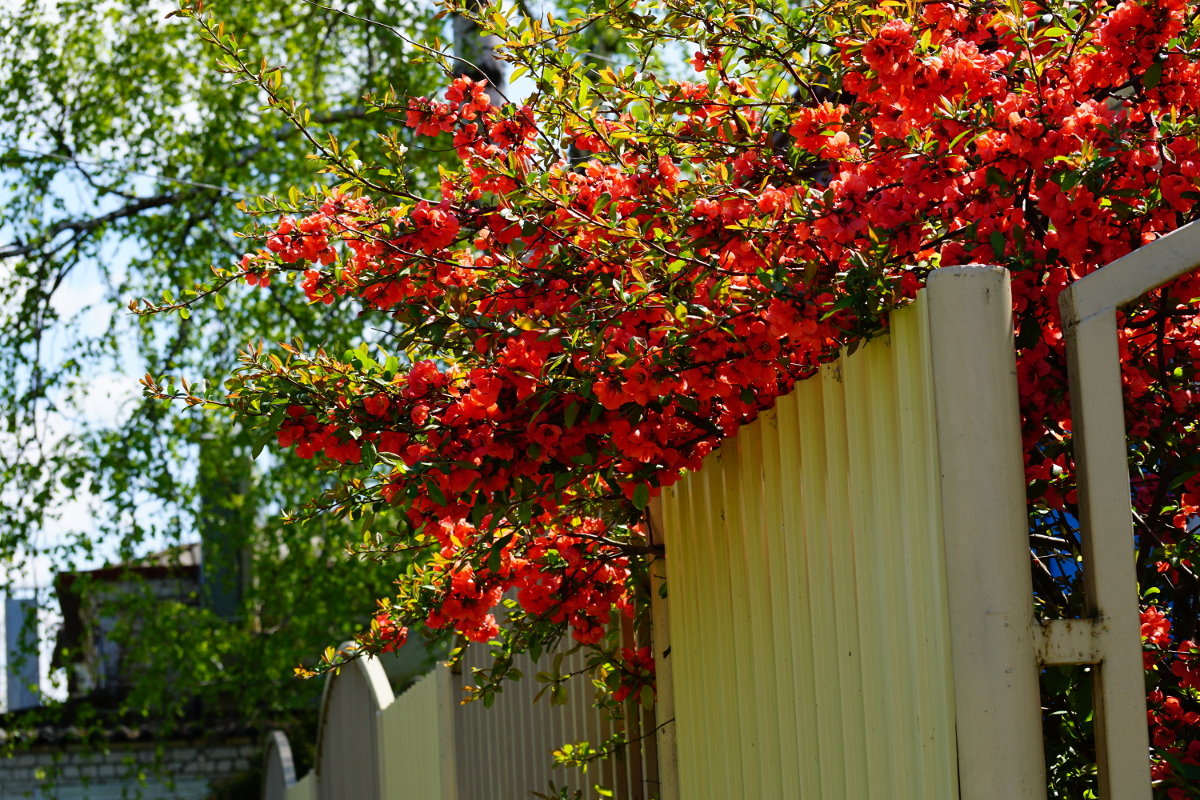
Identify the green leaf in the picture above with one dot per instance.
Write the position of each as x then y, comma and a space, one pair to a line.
641, 495
1152, 75
998, 243
435, 492
497, 551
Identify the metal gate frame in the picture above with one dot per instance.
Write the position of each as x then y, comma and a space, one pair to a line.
999, 647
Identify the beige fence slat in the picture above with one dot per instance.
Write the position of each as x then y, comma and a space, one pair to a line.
837, 579
691, 734
417, 737
787, 591
732, 551
1110, 580
929, 626
986, 529
679, 610
869, 553
796, 558
813, 609
304, 789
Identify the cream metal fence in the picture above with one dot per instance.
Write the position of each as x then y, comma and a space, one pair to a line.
808, 607
350, 745
418, 730
504, 750
425, 745
850, 604
279, 771
1109, 636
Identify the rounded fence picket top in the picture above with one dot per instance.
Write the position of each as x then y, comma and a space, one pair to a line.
348, 744
279, 770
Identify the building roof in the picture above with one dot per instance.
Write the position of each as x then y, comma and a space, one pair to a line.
181, 562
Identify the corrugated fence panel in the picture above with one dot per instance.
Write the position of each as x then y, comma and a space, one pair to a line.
809, 622
929, 665
426, 745
417, 741
504, 751
304, 789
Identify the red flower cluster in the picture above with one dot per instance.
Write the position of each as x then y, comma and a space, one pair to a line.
391, 635
311, 438
636, 670
575, 581
1174, 717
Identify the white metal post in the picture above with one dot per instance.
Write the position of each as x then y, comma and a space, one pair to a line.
997, 701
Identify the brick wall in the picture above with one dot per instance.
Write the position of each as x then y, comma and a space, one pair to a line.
183, 771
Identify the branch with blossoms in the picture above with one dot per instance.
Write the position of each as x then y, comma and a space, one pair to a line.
618, 274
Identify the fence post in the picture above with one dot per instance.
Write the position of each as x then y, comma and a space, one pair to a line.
997, 699
279, 771
348, 739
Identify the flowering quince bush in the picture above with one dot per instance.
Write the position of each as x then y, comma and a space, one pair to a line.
1172, 724
620, 272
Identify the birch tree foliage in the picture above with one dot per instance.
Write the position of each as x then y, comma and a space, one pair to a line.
123, 157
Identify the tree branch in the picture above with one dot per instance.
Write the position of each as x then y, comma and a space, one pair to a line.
83, 226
